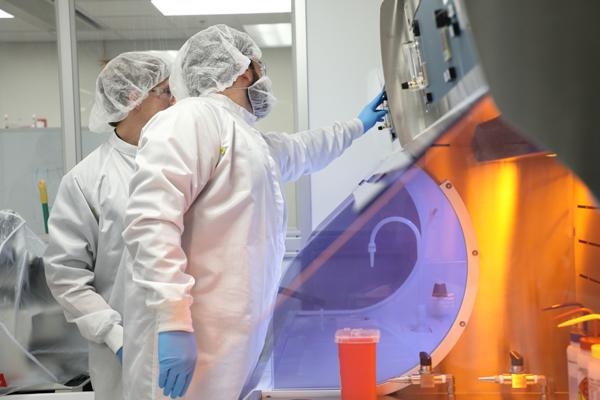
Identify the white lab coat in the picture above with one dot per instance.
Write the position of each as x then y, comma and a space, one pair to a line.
206, 224
85, 251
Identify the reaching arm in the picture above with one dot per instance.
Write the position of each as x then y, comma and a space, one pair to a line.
309, 151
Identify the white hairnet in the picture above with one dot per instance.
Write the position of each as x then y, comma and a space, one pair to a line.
123, 84
211, 60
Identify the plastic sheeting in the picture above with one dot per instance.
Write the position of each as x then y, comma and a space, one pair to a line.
37, 345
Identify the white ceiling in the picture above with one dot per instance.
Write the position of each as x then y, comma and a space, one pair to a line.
113, 20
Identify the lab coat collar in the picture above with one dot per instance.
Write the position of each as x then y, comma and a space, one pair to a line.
122, 146
234, 107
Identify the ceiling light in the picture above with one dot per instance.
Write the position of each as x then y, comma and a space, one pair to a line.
4, 14
271, 35
222, 7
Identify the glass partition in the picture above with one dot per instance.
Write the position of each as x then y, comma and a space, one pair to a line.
30, 139
30, 155
39, 350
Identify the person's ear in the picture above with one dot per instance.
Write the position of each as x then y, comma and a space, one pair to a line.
248, 77
133, 97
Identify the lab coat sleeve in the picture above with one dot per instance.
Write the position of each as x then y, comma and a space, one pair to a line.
309, 151
69, 266
177, 155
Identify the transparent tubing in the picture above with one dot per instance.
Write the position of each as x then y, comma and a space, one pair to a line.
373, 247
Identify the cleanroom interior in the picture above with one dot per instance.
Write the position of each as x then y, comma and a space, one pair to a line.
450, 230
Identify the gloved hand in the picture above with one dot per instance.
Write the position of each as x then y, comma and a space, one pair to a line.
120, 355
177, 360
370, 115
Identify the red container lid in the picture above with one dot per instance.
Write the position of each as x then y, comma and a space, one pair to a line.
586, 343
357, 336
3, 381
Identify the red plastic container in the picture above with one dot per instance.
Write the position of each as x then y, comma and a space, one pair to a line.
357, 350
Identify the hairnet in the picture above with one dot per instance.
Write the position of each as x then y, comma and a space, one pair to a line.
123, 84
211, 60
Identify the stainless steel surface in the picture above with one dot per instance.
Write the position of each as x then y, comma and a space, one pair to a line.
300, 395
428, 381
530, 257
54, 396
416, 123
507, 379
541, 60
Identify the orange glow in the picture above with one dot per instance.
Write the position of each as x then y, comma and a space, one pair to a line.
502, 221
493, 194
521, 210
587, 236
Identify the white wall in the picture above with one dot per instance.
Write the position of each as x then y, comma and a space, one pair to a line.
281, 119
29, 79
29, 83
344, 61
279, 69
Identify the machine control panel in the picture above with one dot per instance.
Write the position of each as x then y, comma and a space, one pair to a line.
439, 50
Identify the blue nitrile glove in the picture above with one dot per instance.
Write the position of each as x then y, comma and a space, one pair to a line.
120, 355
177, 360
370, 115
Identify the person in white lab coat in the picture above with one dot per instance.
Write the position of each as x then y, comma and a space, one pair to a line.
206, 221
86, 221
